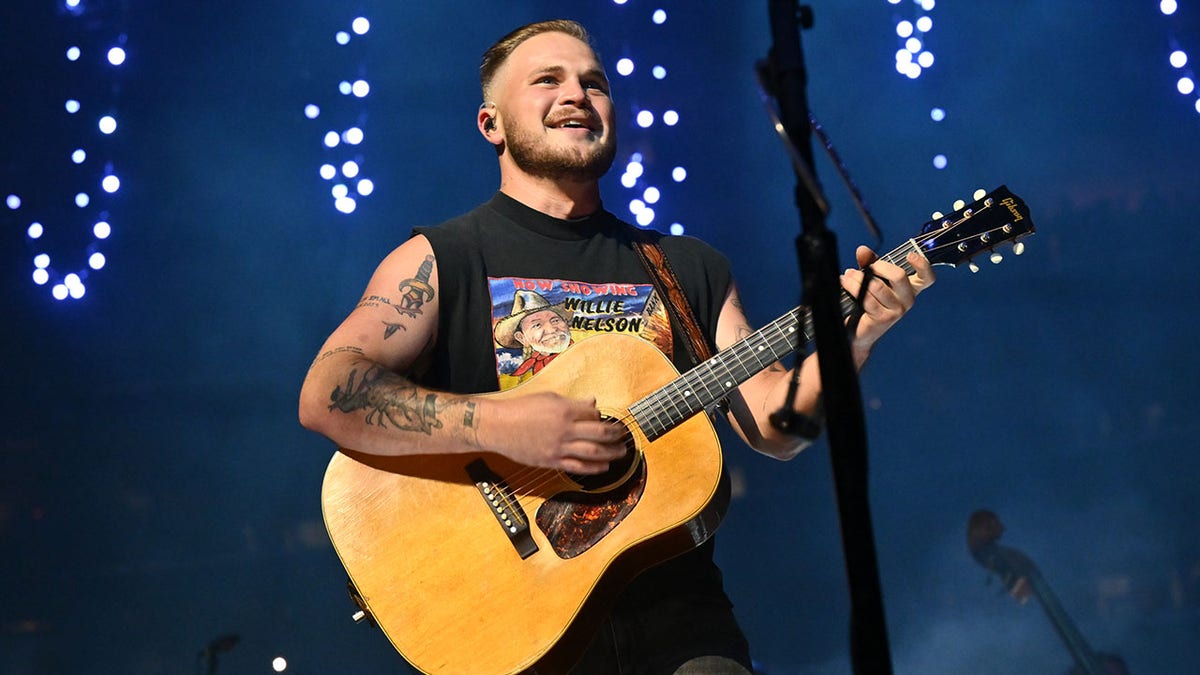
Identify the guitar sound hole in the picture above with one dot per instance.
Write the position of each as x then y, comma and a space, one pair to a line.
619, 470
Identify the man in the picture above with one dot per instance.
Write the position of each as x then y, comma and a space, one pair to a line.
548, 113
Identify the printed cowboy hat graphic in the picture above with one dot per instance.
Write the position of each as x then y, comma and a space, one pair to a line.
524, 304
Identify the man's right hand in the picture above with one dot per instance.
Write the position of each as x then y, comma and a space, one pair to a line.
551, 431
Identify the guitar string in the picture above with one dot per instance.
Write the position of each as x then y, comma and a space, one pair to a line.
685, 384
670, 402
656, 405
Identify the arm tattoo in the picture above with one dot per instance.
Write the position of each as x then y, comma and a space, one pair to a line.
338, 350
390, 329
387, 397
416, 291
373, 301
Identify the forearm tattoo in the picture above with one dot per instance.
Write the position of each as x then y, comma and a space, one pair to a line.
387, 397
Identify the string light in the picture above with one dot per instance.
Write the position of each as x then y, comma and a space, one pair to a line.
914, 58
344, 164
1178, 59
639, 176
98, 50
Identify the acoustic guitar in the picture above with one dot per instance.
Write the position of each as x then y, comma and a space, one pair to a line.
471, 563
1022, 578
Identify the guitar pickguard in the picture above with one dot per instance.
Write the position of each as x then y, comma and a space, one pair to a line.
574, 522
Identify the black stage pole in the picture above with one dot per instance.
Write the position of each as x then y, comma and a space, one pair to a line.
816, 250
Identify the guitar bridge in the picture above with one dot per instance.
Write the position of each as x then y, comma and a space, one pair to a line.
504, 507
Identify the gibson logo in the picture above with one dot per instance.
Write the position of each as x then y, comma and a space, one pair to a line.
1012, 208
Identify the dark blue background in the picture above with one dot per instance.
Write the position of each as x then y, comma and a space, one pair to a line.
156, 490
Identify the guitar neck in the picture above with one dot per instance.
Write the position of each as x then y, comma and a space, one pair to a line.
705, 385
1082, 652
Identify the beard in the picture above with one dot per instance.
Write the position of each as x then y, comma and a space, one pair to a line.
553, 343
537, 157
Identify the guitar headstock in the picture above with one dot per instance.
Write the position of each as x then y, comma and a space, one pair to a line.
1010, 565
994, 218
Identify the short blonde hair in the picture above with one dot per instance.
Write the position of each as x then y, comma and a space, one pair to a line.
498, 53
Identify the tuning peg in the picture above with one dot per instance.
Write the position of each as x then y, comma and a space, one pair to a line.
979, 194
1018, 248
958, 204
938, 215
973, 267
996, 258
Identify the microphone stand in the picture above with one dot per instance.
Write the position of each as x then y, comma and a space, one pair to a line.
208, 655
783, 73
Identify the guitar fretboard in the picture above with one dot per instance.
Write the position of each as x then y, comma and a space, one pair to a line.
708, 383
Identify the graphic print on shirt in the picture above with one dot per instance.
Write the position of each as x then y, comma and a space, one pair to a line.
535, 320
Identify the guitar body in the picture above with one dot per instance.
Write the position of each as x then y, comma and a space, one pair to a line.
441, 575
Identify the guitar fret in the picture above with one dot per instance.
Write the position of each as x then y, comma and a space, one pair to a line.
708, 383
711, 381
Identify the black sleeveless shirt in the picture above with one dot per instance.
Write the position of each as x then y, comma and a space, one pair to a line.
504, 256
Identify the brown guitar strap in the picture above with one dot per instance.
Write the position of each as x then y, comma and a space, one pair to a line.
667, 285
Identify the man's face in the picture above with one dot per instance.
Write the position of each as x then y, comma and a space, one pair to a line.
544, 331
553, 99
